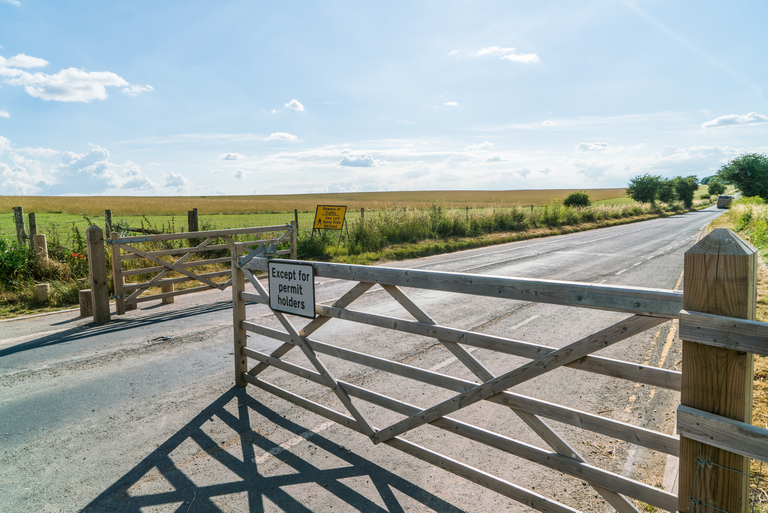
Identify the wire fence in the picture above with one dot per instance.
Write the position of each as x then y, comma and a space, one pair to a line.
758, 486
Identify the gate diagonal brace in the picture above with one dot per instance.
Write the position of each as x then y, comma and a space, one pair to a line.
541, 428
344, 301
602, 339
165, 272
330, 381
173, 267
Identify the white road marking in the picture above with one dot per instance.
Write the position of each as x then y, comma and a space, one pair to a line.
523, 323
635, 265
293, 442
450, 360
602, 281
622, 271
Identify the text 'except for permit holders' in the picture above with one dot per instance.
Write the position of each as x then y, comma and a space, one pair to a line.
292, 288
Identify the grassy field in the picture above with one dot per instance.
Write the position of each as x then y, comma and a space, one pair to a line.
178, 206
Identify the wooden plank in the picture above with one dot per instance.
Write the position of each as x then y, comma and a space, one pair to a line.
355, 292
254, 298
600, 365
238, 316
301, 342
201, 235
162, 295
179, 251
117, 275
733, 436
197, 263
584, 420
171, 281
484, 479
179, 269
600, 340
720, 278
523, 289
97, 271
727, 332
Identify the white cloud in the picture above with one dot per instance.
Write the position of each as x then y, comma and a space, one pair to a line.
357, 161
4, 114
453, 52
495, 158
38, 152
239, 174
492, 50
294, 105
281, 136
217, 171
482, 146
87, 173
68, 85
175, 180
452, 104
136, 89
12, 2
548, 123
232, 156
507, 53
584, 147
23, 61
753, 118
521, 57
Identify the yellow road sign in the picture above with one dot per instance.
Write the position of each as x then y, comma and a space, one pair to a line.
329, 217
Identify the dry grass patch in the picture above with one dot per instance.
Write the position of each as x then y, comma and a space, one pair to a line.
174, 205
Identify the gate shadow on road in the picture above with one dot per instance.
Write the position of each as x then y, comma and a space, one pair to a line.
187, 485
115, 325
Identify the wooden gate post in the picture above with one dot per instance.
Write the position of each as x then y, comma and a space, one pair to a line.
720, 278
294, 239
18, 219
238, 316
97, 269
32, 230
117, 275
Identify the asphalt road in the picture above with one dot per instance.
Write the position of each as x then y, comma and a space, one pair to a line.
142, 413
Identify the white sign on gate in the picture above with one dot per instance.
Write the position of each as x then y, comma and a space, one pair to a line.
292, 288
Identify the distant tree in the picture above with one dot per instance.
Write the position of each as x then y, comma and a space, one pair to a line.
685, 188
644, 188
667, 192
577, 199
707, 179
749, 173
715, 187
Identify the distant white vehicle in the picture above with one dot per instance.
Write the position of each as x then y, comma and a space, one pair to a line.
724, 201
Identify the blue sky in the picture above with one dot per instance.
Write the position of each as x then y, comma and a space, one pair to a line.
248, 97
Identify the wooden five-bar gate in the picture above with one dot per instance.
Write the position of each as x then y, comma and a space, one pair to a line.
124, 249
716, 314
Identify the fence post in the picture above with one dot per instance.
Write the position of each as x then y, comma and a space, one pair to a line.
32, 230
18, 218
97, 269
41, 249
192, 226
362, 214
108, 221
720, 278
296, 217
117, 275
294, 239
238, 316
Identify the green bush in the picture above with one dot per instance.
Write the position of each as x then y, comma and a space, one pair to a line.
715, 187
16, 264
749, 173
644, 188
577, 199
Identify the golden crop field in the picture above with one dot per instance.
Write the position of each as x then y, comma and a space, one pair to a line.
175, 205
